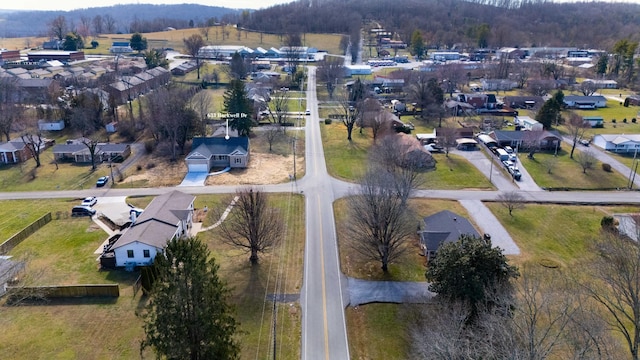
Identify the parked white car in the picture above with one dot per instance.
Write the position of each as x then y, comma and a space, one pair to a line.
89, 201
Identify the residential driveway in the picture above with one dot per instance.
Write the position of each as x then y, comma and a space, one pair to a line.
367, 291
194, 179
489, 224
113, 207
494, 172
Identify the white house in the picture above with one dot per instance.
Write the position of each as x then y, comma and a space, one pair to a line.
528, 123
585, 102
619, 143
168, 216
50, 125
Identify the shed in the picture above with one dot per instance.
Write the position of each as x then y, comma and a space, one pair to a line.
50, 125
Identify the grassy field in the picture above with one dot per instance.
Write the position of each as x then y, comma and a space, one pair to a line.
377, 331
568, 173
109, 328
174, 39
347, 160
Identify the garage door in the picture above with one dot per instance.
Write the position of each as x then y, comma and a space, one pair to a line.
198, 168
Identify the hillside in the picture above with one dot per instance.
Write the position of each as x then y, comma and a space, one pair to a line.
154, 17
457, 22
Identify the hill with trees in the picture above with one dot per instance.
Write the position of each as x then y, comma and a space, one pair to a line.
449, 23
124, 18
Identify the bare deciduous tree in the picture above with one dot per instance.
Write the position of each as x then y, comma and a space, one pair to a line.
10, 108
330, 70
576, 127
615, 284
252, 224
201, 103
278, 107
192, 46
511, 200
586, 159
588, 87
379, 220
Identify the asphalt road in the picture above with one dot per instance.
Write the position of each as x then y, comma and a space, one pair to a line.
324, 295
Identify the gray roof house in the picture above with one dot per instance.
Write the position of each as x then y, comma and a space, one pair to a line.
443, 227
209, 152
76, 151
166, 217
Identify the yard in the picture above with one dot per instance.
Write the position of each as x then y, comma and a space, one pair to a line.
568, 174
109, 328
348, 160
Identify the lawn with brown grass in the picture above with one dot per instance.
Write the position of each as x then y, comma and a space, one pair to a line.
109, 328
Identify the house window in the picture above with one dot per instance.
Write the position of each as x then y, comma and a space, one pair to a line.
146, 253
129, 253
238, 160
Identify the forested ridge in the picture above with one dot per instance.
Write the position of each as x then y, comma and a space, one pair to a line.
446, 23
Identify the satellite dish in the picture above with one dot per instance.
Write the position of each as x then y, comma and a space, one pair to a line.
226, 137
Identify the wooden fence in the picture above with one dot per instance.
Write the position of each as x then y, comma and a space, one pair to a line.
17, 238
65, 291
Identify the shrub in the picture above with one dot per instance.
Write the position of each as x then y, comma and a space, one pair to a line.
150, 165
327, 121
608, 223
139, 167
633, 120
624, 120
149, 145
613, 121
606, 167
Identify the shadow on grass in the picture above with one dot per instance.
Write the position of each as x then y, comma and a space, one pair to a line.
73, 301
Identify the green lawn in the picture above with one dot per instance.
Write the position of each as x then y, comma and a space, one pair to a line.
63, 253
347, 160
567, 173
377, 331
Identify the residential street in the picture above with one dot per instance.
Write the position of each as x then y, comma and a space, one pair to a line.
326, 291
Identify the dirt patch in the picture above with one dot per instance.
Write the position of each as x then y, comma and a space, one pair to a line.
263, 169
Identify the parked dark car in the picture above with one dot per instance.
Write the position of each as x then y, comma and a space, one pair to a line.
102, 181
82, 210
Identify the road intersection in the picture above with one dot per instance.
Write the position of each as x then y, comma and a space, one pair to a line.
324, 294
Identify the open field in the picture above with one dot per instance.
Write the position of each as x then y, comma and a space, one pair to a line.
567, 173
174, 39
109, 328
347, 160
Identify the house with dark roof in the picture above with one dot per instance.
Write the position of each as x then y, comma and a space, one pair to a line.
167, 216
76, 151
443, 227
209, 152
544, 140
16, 150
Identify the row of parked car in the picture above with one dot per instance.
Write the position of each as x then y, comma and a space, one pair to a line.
509, 159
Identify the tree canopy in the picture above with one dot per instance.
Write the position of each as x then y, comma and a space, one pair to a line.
472, 271
238, 107
138, 42
188, 315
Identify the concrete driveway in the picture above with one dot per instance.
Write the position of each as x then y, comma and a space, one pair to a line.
489, 224
194, 179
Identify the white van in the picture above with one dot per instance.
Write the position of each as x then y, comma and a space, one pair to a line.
502, 154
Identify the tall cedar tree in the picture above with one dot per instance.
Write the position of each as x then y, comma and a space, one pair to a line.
238, 107
187, 316
472, 271
138, 42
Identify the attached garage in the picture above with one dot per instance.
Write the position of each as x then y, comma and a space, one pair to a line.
198, 162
